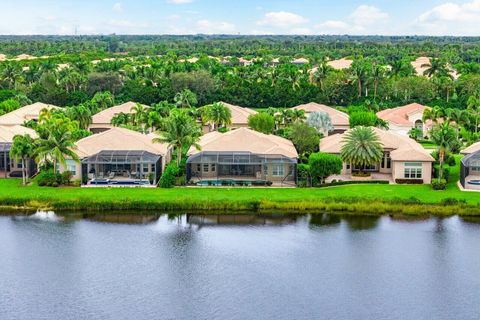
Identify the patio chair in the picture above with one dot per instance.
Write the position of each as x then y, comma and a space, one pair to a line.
111, 175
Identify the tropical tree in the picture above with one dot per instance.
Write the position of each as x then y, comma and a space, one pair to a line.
22, 149
434, 114
218, 115
138, 114
323, 165
262, 122
361, 147
305, 138
56, 141
445, 137
473, 106
321, 73
185, 99
377, 75
321, 121
180, 132
358, 75
102, 101
436, 68
82, 114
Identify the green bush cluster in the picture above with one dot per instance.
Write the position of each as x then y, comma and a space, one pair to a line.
439, 185
169, 176
49, 178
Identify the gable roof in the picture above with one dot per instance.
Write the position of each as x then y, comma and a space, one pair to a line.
7, 133
30, 112
105, 116
338, 118
239, 114
118, 139
403, 148
399, 115
245, 140
471, 149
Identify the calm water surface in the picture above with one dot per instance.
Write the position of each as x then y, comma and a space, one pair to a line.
238, 267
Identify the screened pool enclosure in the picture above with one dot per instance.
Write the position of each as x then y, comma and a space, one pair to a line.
240, 166
470, 171
117, 167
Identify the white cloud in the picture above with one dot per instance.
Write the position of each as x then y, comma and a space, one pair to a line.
450, 19
367, 15
281, 19
117, 7
213, 27
179, 1
363, 20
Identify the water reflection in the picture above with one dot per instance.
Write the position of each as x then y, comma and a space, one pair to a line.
123, 218
357, 223
324, 219
239, 219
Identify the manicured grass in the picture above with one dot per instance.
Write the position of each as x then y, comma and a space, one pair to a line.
410, 199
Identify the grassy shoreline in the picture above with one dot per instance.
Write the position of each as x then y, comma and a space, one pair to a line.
414, 200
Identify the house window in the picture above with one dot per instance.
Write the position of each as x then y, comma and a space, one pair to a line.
413, 170
145, 168
265, 170
278, 170
213, 167
72, 167
205, 167
199, 167
348, 166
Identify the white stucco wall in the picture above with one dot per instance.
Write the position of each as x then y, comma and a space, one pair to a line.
398, 171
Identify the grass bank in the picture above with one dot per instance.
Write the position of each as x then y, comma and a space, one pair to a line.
376, 199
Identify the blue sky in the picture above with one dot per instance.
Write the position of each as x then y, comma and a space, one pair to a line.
385, 17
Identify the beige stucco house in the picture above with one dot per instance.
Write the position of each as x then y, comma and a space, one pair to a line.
26, 113
119, 157
239, 117
9, 167
402, 119
403, 158
340, 120
102, 120
242, 156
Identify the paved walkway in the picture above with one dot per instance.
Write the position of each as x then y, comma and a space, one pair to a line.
348, 177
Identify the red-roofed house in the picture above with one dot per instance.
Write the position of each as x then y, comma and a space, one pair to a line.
402, 119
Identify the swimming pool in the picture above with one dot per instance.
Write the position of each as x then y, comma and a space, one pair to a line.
108, 182
474, 182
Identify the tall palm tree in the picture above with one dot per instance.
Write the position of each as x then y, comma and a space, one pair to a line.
377, 75
361, 147
445, 137
179, 131
11, 74
138, 114
219, 115
22, 150
473, 106
321, 73
102, 101
434, 114
358, 75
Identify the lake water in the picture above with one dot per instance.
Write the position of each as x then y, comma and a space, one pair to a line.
238, 267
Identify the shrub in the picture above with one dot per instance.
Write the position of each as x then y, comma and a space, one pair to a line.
323, 165
262, 122
47, 178
452, 201
409, 181
439, 185
362, 118
169, 176
361, 174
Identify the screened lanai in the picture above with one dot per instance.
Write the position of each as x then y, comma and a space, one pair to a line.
137, 165
240, 166
470, 171
4, 158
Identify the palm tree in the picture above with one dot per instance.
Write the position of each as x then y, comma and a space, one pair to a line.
219, 115
11, 73
321, 73
473, 106
298, 115
434, 114
361, 147
358, 75
55, 142
321, 121
82, 114
378, 74
102, 101
138, 114
436, 68
179, 131
445, 137
22, 149
120, 119
185, 99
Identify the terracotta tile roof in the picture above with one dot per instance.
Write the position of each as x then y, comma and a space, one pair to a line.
119, 139
105, 116
471, 149
7, 133
399, 115
26, 113
239, 114
402, 148
338, 118
245, 140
